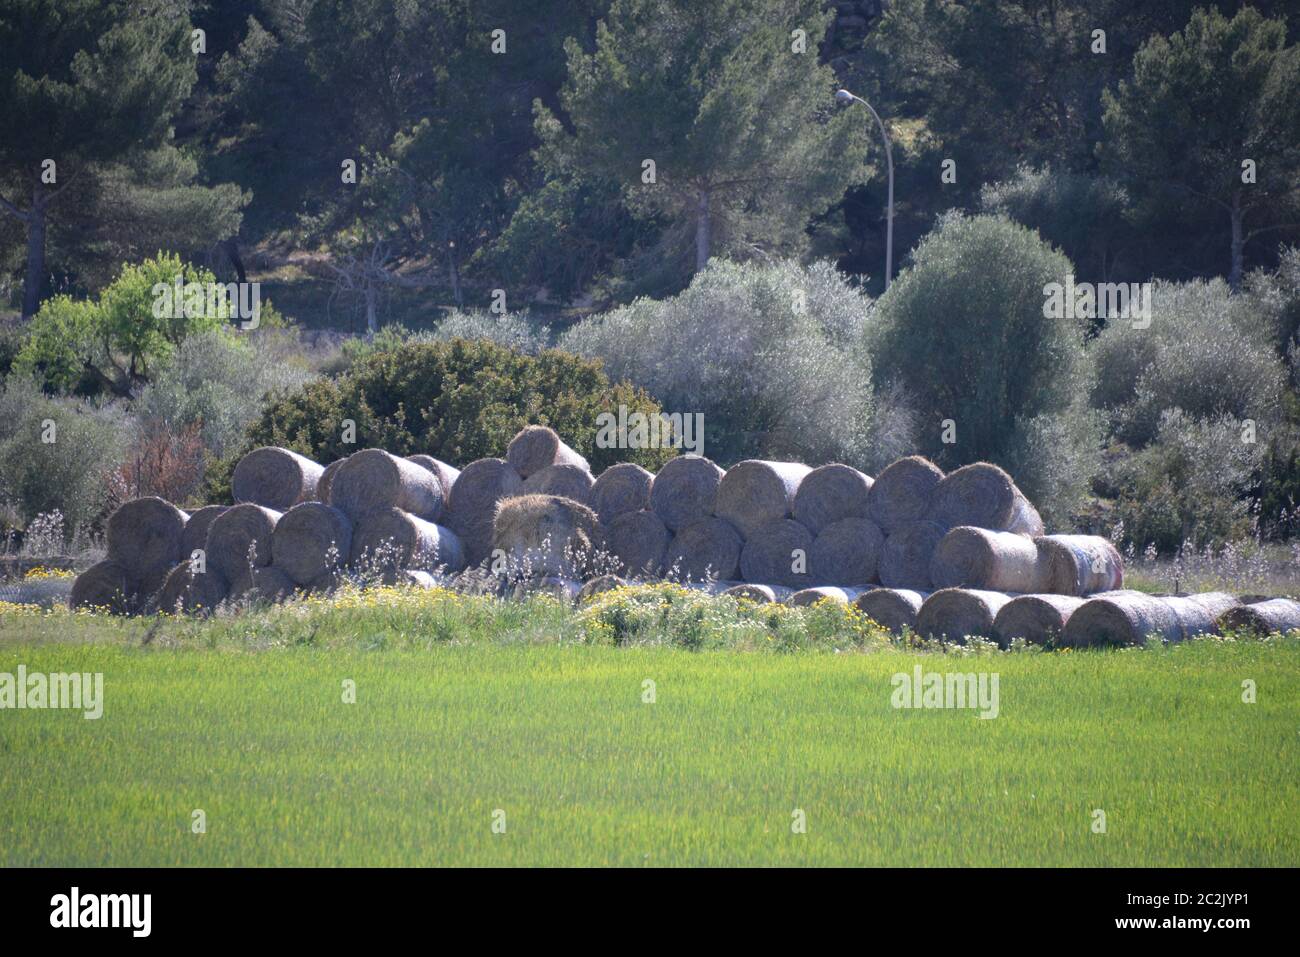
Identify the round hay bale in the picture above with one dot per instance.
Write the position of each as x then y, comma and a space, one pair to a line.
811, 596
1037, 619
394, 539
905, 559
621, 488
446, 474
237, 533
969, 557
830, 494
1079, 564
536, 447
1199, 614
1120, 619
1263, 617
104, 585
754, 492
984, 496
903, 493
892, 608
762, 594
326, 480
704, 551
275, 478
262, 583
639, 540
187, 592
149, 586
547, 535
685, 491
373, 480
777, 554
145, 535
566, 481
195, 535
309, 540
473, 504
599, 585
325, 583
847, 552
955, 614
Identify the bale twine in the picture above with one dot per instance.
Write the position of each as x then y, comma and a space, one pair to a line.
536, 447
1120, 619
326, 479
195, 535
275, 478
189, 592
547, 535
902, 493
309, 540
639, 540
105, 584
777, 554
262, 583
144, 535
1037, 619
472, 507
1079, 564
755, 492
373, 480
1263, 617
983, 495
237, 532
620, 489
905, 559
955, 614
685, 491
1199, 614
811, 596
762, 594
598, 586
830, 494
394, 539
892, 608
707, 550
446, 474
847, 552
566, 481
969, 557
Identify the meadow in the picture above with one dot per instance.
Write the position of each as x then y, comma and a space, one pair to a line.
489, 733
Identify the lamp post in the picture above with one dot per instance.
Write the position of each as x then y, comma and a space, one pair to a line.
844, 97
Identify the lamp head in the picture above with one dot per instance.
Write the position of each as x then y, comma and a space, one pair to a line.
843, 97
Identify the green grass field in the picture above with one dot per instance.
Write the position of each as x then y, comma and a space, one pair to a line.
464, 709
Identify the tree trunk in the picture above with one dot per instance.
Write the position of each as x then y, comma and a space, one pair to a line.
372, 316
453, 271
35, 256
703, 231
1238, 244
231, 246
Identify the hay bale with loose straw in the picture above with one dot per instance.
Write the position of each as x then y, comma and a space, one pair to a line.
189, 592
762, 594
598, 586
473, 504
547, 535
105, 585
811, 596
195, 535
536, 446
847, 552
830, 494
373, 480
969, 557
685, 491
777, 554
1079, 564
704, 551
620, 489
237, 533
955, 614
1199, 614
1121, 619
275, 478
1037, 619
905, 559
892, 608
903, 493
446, 474
262, 584
566, 481
983, 495
639, 540
755, 492
309, 540
1263, 617
394, 539
144, 535
326, 479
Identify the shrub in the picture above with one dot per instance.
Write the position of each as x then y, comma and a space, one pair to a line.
772, 355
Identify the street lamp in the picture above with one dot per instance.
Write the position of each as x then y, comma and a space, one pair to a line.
844, 97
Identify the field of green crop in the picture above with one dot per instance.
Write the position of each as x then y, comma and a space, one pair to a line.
485, 734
